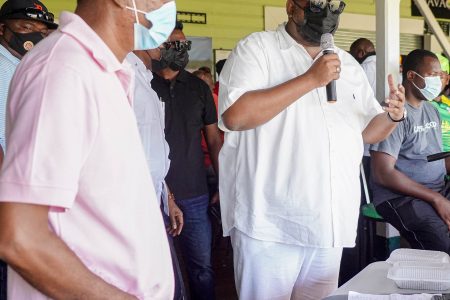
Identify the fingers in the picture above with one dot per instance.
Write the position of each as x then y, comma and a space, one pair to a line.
391, 84
176, 223
394, 111
180, 224
394, 103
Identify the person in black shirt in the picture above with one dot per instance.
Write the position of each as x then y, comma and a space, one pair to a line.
189, 111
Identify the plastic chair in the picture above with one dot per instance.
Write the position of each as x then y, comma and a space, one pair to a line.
371, 216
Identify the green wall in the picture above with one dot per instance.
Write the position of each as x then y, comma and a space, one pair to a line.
230, 20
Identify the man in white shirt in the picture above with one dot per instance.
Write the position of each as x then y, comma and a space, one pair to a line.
149, 111
290, 163
363, 51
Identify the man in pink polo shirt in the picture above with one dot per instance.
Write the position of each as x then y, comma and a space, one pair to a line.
79, 215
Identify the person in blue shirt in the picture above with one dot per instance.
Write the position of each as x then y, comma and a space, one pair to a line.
23, 24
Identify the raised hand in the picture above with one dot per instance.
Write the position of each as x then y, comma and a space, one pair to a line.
396, 101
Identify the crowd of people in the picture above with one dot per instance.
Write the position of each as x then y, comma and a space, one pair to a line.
111, 152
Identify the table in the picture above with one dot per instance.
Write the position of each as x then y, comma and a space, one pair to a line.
373, 280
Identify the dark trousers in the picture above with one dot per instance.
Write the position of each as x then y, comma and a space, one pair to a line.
3, 272
195, 244
418, 222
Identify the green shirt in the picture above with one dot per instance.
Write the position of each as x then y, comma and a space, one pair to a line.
444, 111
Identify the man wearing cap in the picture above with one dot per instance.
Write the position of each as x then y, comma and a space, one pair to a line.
23, 23
78, 210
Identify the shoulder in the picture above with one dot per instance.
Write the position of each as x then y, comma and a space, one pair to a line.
194, 81
432, 107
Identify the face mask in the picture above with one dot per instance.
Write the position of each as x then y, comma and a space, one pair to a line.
24, 42
163, 23
171, 58
315, 24
433, 87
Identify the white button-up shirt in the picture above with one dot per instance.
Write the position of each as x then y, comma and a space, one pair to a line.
295, 179
149, 112
369, 66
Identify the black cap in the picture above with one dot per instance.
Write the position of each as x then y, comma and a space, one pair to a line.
29, 10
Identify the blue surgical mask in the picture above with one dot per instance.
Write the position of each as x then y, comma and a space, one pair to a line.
433, 86
163, 22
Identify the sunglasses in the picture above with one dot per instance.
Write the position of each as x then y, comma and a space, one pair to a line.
317, 6
36, 14
178, 45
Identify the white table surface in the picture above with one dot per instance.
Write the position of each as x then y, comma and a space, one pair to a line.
373, 280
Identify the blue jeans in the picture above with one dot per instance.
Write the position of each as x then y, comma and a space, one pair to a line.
195, 242
3, 272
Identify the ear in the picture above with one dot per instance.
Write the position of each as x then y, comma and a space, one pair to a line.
360, 53
2, 29
289, 8
410, 75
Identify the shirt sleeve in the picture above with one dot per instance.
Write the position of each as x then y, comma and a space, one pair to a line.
245, 70
372, 107
393, 143
52, 123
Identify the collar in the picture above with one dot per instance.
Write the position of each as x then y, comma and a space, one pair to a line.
183, 76
76, 27
284, 39
14, 60
137, 64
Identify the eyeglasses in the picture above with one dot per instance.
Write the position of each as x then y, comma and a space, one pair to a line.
178, 45
37, 14
317, 6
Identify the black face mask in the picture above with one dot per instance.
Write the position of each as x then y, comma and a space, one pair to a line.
24, 42
171, 58
316, 24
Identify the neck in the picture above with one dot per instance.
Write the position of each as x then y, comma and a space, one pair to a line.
116, 35
312, 49
168, 74
14, 53
411, 98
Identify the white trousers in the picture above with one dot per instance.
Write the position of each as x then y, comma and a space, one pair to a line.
276, 271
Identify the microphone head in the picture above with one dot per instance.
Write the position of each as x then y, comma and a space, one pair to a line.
327, 41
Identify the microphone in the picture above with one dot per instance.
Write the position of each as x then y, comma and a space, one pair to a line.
327, 46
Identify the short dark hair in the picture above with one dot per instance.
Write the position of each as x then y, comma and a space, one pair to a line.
414, 59
205, 69
219, 65
179, 25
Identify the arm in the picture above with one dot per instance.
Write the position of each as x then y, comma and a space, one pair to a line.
214, 141
385, 174
41, 258
175, 215
447, 164
268, 103
381, 126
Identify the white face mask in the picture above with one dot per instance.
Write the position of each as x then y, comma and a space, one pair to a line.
163, 22
433, 86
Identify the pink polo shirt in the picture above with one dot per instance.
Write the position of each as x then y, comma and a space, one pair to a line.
73, 144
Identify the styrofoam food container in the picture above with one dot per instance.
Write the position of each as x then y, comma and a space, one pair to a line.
420, 275
405, 254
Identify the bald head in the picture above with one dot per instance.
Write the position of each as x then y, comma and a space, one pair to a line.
361, 48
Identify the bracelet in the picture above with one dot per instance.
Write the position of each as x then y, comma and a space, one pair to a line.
399, 120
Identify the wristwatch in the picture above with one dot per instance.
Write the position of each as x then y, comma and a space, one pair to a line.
399, 120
